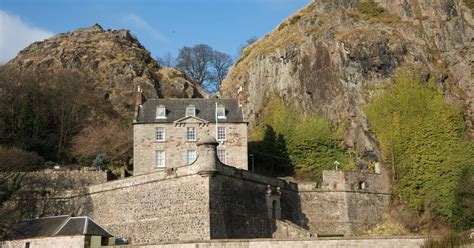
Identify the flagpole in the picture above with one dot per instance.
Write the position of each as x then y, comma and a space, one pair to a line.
216, 120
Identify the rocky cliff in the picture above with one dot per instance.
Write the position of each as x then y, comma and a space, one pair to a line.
114, 59
332, 56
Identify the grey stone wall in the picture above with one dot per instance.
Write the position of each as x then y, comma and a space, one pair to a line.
340, 206
351, 181
158, 207
64, 179
240, 208
176, 145
395, 242
47, 242
36, 197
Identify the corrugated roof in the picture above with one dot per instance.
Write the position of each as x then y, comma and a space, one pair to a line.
57, 226
176, 109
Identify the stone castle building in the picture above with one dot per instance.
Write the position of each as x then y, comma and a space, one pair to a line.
166, 131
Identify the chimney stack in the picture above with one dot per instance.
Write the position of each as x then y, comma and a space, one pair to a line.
139, 98
241, 96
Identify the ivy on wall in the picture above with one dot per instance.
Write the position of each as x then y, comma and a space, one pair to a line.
421, 137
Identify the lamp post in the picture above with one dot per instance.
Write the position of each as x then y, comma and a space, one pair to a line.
337, 164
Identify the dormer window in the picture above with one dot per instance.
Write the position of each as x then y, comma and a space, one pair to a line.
161, 112
220, 112
190, 110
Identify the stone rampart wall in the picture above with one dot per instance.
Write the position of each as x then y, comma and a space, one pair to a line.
64, 179
257, 178
181, 204
401, 242
354, 181
241, 207
341, 205
156, 207
231, 204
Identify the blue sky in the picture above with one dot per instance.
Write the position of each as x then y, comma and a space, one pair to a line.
161, 26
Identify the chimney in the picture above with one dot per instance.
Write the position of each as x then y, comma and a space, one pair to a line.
241, 96
139, 98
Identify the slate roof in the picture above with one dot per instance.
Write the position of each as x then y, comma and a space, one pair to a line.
176, 109
57, 226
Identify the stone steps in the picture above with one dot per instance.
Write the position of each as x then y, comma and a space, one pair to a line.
286, 229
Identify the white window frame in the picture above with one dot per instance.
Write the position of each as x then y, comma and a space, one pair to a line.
188, 134
220, 112
190, 159
221, 136
161, 112
163, 134
190, 110
157, 160
221, 152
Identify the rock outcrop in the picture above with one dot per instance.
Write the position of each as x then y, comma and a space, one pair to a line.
332, 56
115, 61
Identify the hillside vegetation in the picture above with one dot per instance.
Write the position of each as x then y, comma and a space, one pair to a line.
51, 113
288, 140
421, 137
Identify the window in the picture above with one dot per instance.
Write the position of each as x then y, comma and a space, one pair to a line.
220, 112
220, 133
221, 154
160, 158
191, 110
161, 112
27, 245
160, 133
190, 156
191, 133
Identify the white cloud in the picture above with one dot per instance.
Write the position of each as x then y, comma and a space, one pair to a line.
16, 35
141, 23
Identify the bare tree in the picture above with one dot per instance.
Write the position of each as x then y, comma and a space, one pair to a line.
194, 61
220, 63
204, 65
167, 60
72, 103
109, 138
42, 111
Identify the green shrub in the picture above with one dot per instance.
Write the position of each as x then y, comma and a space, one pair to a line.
101, 161
294, 19
306, 144
463, 212
421, 138
369, 8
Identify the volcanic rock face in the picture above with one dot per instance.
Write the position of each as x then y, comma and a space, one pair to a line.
114, 59
332, 56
